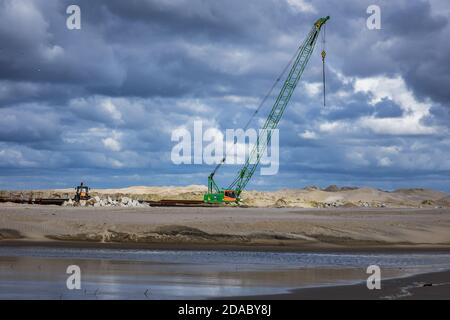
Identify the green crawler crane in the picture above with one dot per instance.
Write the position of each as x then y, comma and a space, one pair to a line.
233, 192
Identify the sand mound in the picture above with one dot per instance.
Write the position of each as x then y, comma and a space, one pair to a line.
10, 234
173, 230
444, 201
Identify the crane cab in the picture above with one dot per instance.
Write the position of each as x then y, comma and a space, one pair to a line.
229, 196
223, 196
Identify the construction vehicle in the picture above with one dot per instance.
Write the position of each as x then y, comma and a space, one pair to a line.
299, 62
82, 192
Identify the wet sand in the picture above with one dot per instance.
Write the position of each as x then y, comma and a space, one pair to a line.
428, 286
40, 273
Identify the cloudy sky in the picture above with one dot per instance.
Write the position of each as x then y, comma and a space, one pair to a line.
99, 104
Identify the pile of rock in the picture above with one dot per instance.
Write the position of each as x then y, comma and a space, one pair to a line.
333, 204
105, 202
370, 205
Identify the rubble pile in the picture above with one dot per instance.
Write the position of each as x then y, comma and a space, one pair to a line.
105, 202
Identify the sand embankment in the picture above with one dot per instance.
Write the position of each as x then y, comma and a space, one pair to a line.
333, 228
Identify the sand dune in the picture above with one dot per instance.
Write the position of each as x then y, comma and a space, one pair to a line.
309, 197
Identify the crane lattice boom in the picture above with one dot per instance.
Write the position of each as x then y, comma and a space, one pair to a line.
233, 192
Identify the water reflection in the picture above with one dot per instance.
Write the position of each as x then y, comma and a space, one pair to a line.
40, 273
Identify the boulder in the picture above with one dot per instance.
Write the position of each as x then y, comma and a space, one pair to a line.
68, 203
91, 202
125, 200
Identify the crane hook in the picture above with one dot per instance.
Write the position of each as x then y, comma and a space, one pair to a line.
323, 75
323, 54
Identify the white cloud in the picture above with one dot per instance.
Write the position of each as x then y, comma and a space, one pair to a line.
394, 89
101, 108
116, 163
309, 135
233, 60
336, 127
53, 52
302, 6
391, 88
312, 89
410, 125
112, 144
111, 109
11, 157
245, 101
385, 162
357, 158
194, 105
92, 137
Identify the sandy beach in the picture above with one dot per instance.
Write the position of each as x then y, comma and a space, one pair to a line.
284, 228
353, 235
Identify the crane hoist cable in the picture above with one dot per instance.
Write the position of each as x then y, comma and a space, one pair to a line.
323, 54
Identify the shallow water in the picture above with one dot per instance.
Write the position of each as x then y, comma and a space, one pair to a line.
40, 273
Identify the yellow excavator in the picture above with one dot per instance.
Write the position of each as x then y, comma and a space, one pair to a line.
82, 192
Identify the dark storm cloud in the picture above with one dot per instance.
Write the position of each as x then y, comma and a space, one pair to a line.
387, 109
101, 102
412, 41
26, 125
101, 58
123, 45
415, 18
352, 110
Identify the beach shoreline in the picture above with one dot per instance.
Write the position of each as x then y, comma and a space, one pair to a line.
423, 286
186, 246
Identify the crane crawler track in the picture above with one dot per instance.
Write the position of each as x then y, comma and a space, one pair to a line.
182, 203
